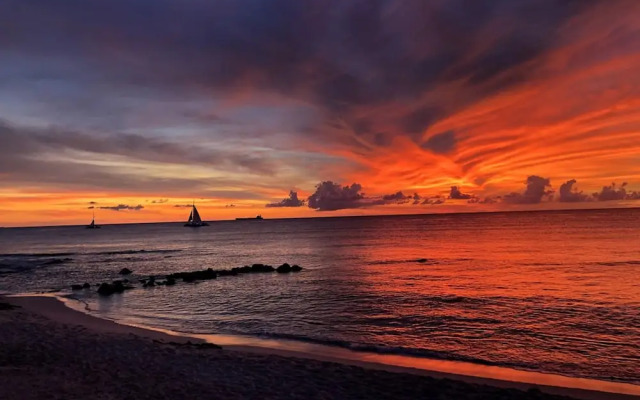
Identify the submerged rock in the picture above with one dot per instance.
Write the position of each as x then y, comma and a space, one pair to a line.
125, 271
296, 268
76, 287
86, 285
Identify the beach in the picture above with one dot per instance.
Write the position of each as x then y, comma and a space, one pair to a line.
49, 351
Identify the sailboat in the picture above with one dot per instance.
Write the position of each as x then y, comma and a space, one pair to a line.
93, 225
194, 219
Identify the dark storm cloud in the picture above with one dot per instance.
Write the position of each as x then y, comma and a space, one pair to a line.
419, 120
612, 192
331, 196
569, 194
123, 207
456, 194
337, 55
441, 143
537, 189
291, 201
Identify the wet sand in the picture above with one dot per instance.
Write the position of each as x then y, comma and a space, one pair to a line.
49, 351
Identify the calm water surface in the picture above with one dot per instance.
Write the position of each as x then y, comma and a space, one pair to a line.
544, 291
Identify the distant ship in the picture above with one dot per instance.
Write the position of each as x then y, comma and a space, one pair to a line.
194, 219
258, 217
93, 225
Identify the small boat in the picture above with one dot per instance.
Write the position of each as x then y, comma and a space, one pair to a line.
93, 225
194, 219
258, 218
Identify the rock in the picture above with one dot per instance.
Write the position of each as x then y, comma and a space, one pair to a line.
150, 282
76, 287
284, 268
107, 289
125, 271
193, 276
296, 268
170, 282
262, 268
86, 285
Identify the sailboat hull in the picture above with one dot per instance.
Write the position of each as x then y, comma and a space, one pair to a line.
195, 224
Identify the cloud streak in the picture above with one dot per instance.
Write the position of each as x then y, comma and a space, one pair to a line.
122, 207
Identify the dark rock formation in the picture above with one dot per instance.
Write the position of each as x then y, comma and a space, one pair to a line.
193, 276
262, 268
284, 268
86, 285
296, 268
76, 287
150, 282
107, 289
125, 271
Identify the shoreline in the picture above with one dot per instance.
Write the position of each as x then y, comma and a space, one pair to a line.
60, 310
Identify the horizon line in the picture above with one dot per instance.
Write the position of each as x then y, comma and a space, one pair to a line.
350, 216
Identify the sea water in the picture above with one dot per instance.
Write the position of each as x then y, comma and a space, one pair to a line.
555, 292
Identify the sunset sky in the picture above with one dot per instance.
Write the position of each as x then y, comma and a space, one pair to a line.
133, 109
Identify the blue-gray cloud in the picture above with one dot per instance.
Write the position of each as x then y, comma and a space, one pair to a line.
122, 207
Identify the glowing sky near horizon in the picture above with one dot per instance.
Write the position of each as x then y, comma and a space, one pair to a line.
133, 109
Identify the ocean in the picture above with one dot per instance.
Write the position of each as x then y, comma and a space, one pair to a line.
552, 291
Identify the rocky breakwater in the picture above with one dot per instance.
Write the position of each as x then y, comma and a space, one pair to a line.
120, 286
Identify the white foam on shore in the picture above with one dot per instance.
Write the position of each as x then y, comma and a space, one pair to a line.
588, 389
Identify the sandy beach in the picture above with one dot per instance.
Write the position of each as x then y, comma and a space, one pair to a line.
48, 351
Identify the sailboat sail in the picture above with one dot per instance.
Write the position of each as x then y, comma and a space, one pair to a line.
196, 215
194, 218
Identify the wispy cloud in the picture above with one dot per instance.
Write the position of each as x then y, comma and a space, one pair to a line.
123, 207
